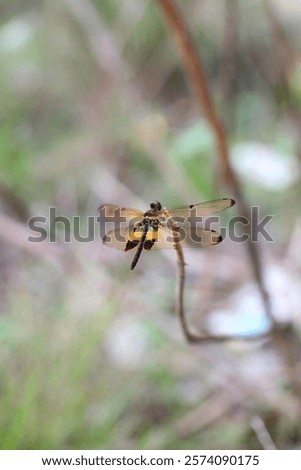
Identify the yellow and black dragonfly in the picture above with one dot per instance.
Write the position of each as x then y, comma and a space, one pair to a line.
159, 227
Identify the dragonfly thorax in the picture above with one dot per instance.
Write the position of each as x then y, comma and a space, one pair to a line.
151, 223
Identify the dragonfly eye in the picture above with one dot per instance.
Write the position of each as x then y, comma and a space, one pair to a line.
155, 205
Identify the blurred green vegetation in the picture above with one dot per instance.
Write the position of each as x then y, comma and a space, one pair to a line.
95, 108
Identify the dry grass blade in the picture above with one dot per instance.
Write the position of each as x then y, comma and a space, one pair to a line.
262, 433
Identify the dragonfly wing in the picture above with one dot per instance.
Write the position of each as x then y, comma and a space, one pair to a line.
189, 237
198, 237
123, 239
203, 209
113, 213
117, 215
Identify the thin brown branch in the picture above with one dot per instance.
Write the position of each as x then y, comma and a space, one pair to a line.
180, 288
197, 78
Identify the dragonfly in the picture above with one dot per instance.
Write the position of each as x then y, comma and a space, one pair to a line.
159, 227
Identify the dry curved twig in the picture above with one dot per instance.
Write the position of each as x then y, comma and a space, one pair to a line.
197, 78
191, 337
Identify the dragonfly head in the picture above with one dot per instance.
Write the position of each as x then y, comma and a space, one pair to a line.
155, 206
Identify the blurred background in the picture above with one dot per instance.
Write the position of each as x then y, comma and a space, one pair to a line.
95, 108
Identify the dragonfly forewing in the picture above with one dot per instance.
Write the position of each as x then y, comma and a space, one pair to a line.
112, 216
196, 212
